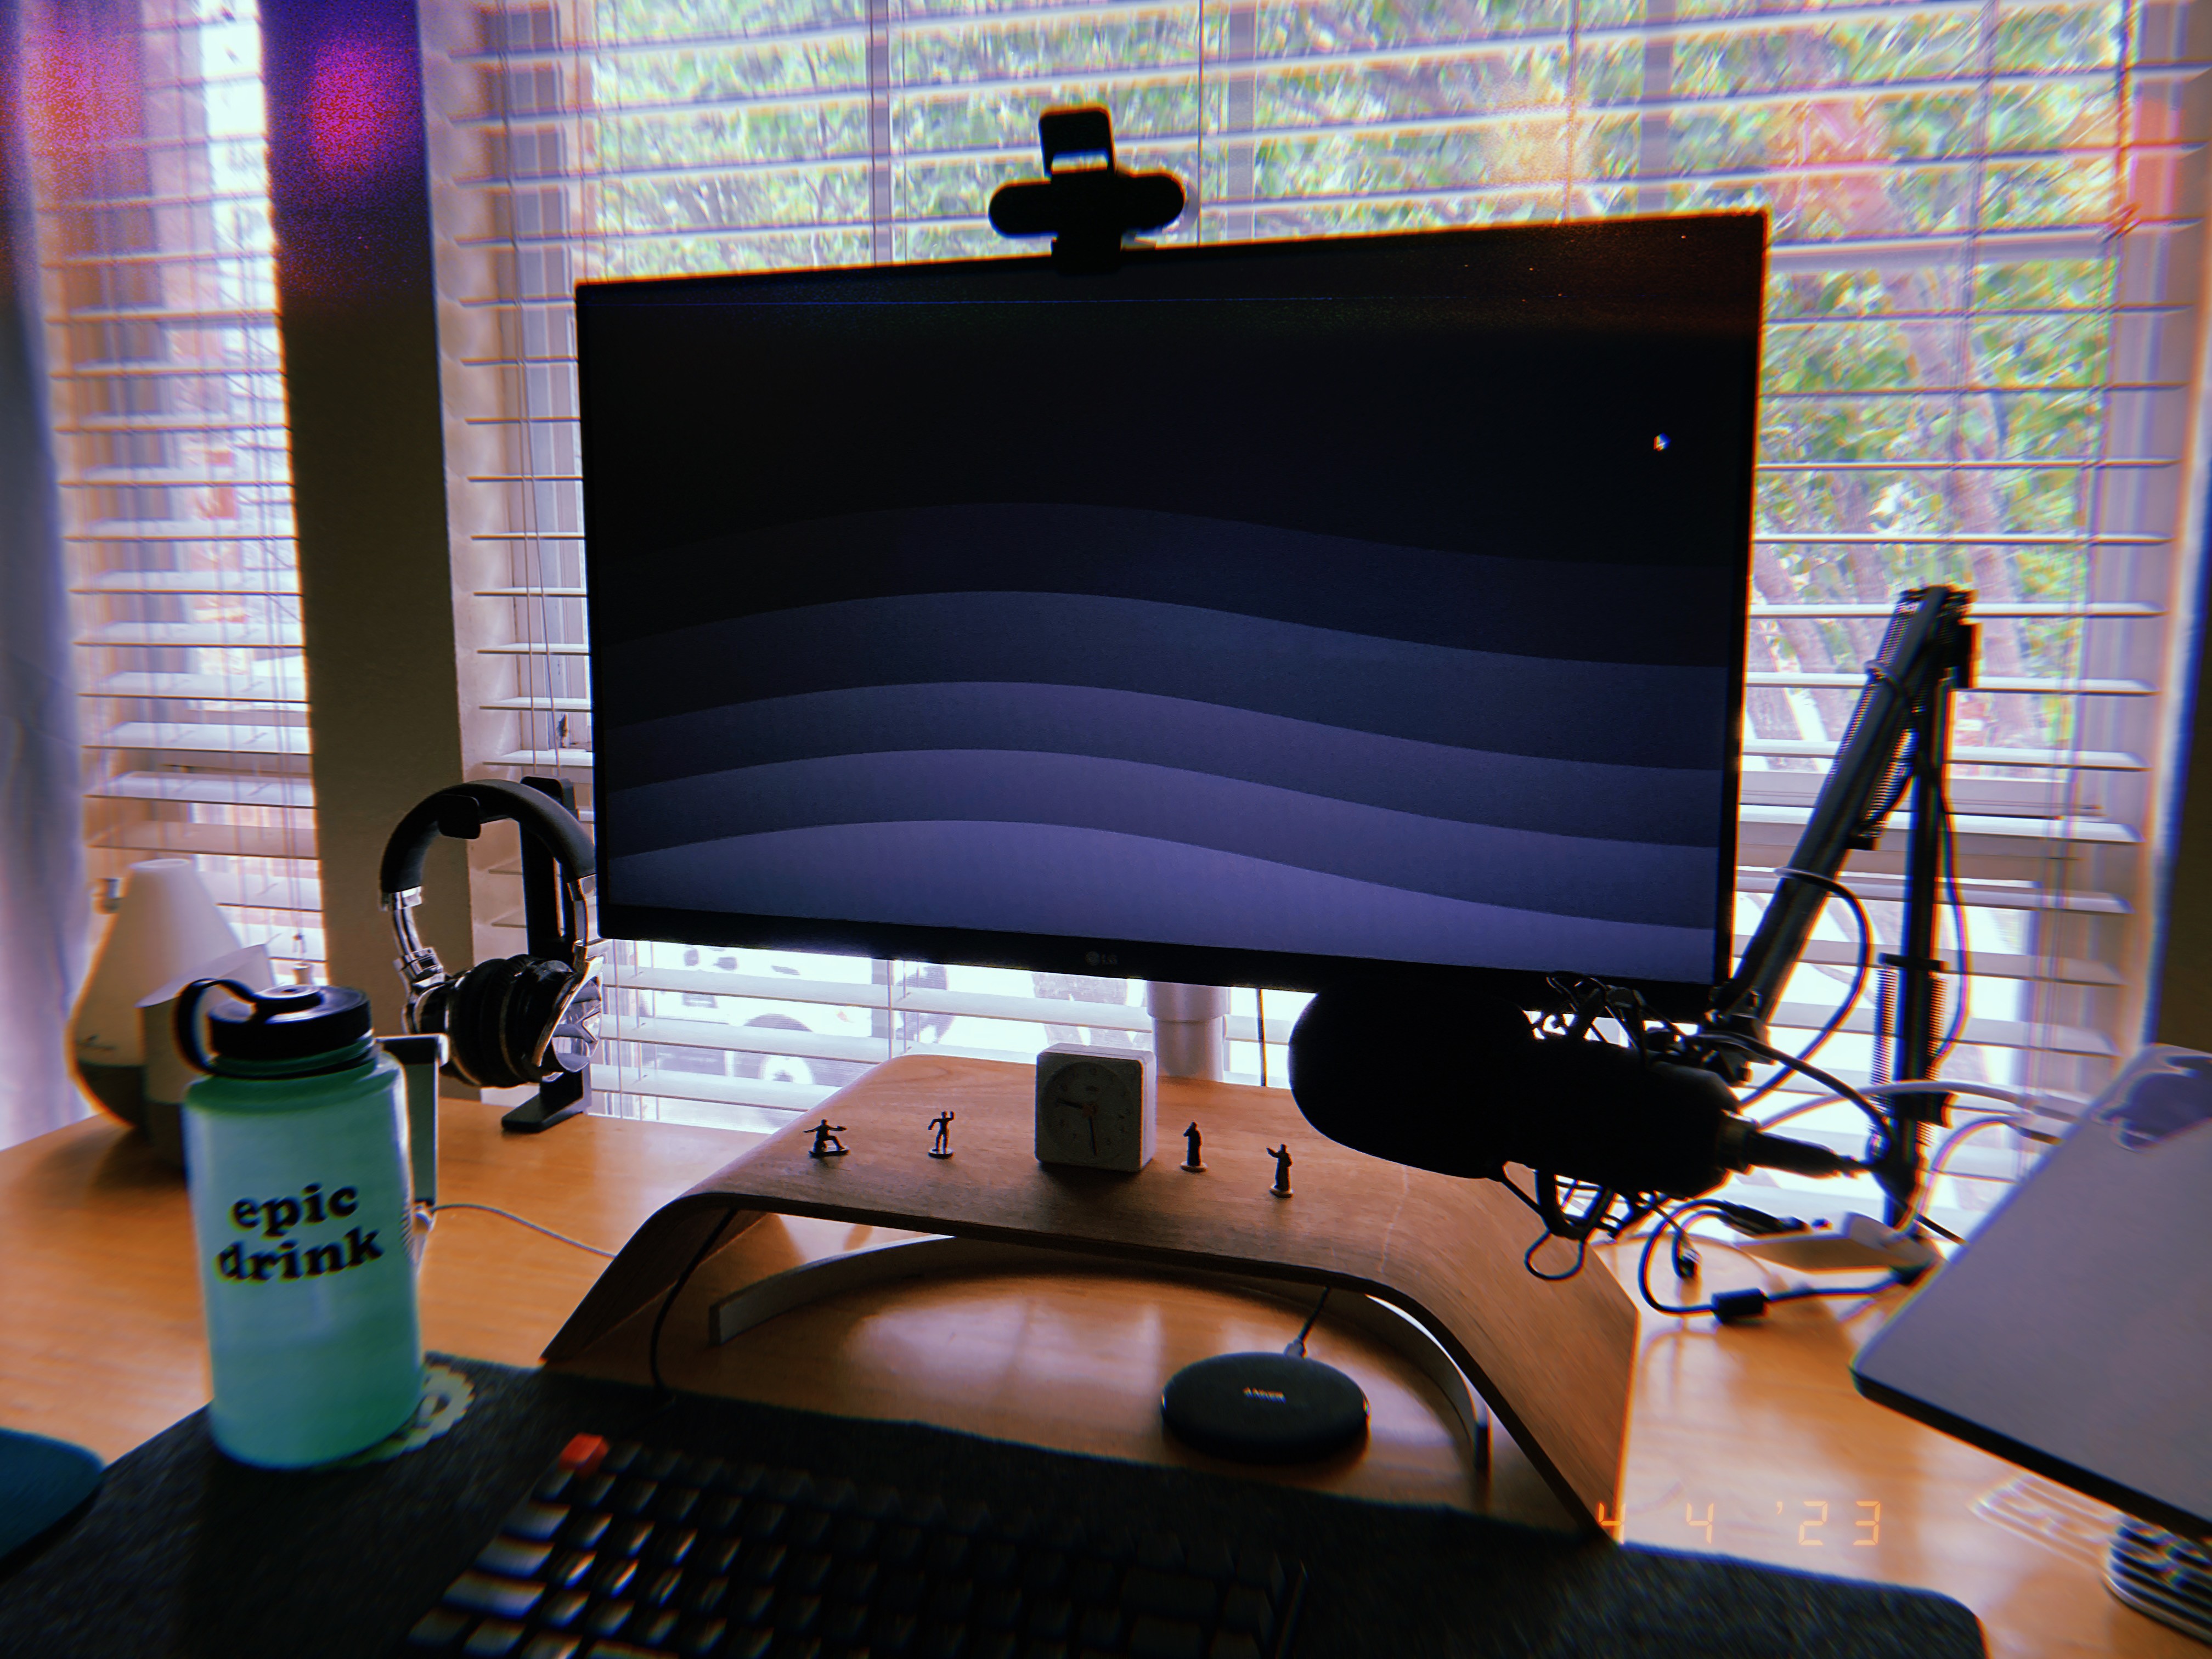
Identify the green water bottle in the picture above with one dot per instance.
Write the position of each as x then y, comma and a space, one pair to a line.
296, 1143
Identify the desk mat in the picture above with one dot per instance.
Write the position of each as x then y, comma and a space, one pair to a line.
185, 1553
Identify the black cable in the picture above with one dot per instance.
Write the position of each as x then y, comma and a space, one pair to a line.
1674, 1219
1296, 1350
653, 1345
1729, 1305
1835, 888
1834, 1084
1582, 1253
1958, 1021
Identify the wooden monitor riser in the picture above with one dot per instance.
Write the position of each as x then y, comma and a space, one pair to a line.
1553, 1360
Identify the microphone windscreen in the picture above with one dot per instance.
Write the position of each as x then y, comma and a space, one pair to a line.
1410, 1075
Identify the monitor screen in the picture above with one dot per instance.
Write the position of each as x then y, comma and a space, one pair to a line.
1270, 613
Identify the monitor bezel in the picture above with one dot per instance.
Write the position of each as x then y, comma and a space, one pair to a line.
1611, 242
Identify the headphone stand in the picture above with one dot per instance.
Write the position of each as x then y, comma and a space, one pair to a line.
556, 1102
550, 923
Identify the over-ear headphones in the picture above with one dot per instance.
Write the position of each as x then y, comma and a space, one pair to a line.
515, 1019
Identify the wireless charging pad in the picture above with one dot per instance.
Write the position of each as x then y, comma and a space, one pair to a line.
1264, 1408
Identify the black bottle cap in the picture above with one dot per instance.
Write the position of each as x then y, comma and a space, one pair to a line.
292, 1022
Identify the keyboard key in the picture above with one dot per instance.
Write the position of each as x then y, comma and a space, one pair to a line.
1260, 1568
512, 1557
1049, 1616
633, 1494
701, 1472
493, 1637
946, 1553
743, 1479
923, 1509
619, 1455
844, 1621
942, 1641
877, 1502
655, 1631
1016, 1526
624, 1651
440, 1627
583, 1531
760, 1563
571, 1567
1210, 1559
853, 1580
995, 1564
749, 1643
546, 1645
1230, 1644
1047, 1569
592, 1493
795, 1614
891, 1632
903, 1592
1169, 1594
659, 1465
535, 1520
718, 1512
763, 1518
553, 1484
788, 1486
663, 1587
952, 1598
628, 1537
992, 1644
899, 1546
853, 1534
835, 1496
1092, 1582
1245, 1609
969, 1516
677, 1503
753, 1604
560, 1610
804, 1570
714, 1555
1099, 1627
1063, 1532
674, 1548
1160, 1550
608, 1618
1154, 1637
999, 1609
702, 1638
1113, 1543
708, 1594
509, 1598
615, 1578
584, 1453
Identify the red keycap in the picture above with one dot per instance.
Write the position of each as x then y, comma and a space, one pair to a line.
584, 1454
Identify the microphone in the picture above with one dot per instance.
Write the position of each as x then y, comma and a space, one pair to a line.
1460, 1083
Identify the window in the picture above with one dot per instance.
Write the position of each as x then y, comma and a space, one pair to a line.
168, 408
1979, 369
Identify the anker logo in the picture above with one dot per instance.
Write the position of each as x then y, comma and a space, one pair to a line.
1275, 1394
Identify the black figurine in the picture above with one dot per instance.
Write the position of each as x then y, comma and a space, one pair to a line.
1191, 1159
826, 1143
1282, 1156
943, 1124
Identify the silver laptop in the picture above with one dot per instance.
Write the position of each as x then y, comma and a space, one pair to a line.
2073, 1335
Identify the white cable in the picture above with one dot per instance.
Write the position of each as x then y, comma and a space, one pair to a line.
2030, 1105
525, 1221
1950, 1144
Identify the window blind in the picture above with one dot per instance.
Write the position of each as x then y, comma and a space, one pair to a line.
167, 403
1979, 369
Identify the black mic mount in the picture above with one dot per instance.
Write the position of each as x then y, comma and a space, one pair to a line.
1654, 1118
1085, 202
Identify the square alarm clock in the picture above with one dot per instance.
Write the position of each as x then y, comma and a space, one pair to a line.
1096, 1109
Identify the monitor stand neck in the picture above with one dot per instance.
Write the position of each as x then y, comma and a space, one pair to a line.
1190, 1029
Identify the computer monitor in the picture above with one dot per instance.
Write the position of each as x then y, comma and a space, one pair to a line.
1282, 613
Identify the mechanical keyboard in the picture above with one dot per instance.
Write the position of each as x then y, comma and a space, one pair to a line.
625, 1552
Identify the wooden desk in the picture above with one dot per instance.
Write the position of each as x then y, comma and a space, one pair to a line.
1757, 1426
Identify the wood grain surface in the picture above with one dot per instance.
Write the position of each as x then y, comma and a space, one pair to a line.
1755, 1426
1551, 1360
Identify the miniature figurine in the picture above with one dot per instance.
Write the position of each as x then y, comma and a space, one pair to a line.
943, 1124
1191, 1159
1282, 1156
826, 1143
